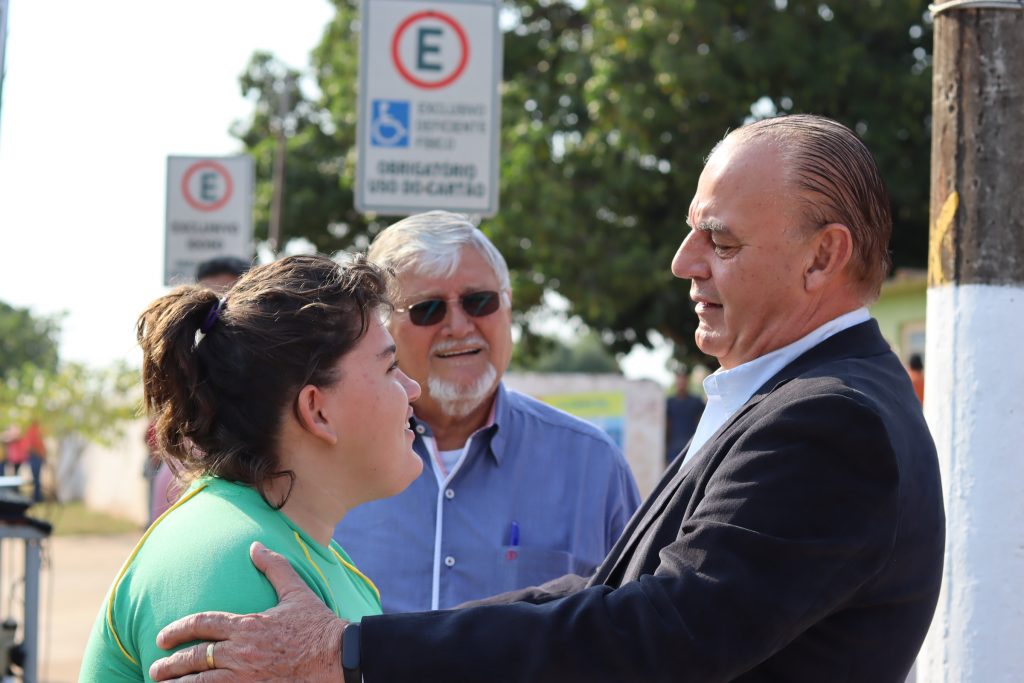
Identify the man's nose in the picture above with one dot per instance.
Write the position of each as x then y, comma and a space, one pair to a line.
457, 321
690, 261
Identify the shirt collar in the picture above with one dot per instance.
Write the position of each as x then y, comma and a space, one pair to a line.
499, 414
735, 386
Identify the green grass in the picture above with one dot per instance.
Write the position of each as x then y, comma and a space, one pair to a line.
75, 519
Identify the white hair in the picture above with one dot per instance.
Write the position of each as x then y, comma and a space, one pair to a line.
429, 244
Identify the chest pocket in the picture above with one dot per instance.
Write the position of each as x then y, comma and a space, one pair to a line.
522, 566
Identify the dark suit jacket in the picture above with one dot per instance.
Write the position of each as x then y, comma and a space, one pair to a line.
803, 542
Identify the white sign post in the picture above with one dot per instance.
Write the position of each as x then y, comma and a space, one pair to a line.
209, 213
429, 106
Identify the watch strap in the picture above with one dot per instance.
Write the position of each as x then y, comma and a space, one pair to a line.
350, 643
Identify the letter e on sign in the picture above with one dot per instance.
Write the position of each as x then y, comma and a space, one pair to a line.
430, 49
207, 186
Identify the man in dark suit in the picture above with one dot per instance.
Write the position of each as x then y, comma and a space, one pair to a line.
801, 536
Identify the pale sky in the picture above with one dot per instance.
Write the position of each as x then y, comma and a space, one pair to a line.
96, 96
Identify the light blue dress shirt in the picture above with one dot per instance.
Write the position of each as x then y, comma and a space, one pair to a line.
448, 537
728, 390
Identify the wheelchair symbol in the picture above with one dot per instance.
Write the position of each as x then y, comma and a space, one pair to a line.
389, 126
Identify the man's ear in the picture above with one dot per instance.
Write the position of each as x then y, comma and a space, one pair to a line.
313, 417
831, 251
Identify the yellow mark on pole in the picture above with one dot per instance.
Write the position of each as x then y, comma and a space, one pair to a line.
939, 246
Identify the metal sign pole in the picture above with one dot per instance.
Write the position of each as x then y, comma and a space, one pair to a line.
4, 10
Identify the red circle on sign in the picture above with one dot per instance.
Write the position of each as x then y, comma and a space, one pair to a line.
195, 203
397, 58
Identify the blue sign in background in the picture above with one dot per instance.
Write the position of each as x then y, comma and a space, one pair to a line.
389, 123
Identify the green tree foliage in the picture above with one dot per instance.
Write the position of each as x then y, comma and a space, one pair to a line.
317, 201
74, 405
91, 403
66, 398
26, 339
587, 354
609, 110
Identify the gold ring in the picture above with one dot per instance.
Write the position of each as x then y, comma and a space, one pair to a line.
209, 656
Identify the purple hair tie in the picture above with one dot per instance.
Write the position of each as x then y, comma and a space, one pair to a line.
211, 317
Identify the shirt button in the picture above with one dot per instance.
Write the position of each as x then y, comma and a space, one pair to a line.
449, 561
420, 429
449, 494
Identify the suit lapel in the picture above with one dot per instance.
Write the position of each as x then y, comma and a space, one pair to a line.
629, 535
862, 340
667, 490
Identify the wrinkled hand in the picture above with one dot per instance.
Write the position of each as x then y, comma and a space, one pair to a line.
298, 640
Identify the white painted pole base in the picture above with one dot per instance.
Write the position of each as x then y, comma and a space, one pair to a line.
974, 404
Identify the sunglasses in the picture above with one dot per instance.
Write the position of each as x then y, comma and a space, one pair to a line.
433, 311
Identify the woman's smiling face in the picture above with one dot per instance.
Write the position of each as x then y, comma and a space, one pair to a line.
370, 403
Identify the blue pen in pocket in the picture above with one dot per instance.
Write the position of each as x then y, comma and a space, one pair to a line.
513, 541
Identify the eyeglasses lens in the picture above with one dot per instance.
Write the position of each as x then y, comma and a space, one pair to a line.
479, 304
429, 312
433, 311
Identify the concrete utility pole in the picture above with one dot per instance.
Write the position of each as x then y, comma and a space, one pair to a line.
974, 389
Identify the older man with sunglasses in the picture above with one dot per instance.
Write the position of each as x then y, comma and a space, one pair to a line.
513, 492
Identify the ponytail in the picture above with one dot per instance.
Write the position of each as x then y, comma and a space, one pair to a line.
176, 393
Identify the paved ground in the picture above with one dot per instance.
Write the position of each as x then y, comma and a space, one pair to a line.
77, 570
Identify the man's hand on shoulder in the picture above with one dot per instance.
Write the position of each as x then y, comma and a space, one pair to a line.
299, 639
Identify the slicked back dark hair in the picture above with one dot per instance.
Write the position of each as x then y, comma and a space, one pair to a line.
218, 398
840, 183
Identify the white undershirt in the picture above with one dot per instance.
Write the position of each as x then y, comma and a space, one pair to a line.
451, 458
728, 390
445, 465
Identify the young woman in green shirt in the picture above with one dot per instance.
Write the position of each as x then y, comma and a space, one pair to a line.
283, 404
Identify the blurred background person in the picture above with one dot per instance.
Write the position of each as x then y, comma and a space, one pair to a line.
36, 455
682, 413
284, 427
221, 272
15, 452
26, 447
150, 469
915, 368
7, 437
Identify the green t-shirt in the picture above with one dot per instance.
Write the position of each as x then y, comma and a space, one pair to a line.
196, 558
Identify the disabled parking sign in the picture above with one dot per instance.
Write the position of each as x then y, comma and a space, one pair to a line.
389, 126
429, 106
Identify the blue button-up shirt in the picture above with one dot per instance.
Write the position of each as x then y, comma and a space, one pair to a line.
448, 538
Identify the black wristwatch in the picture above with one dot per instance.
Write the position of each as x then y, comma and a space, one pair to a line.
350, 654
